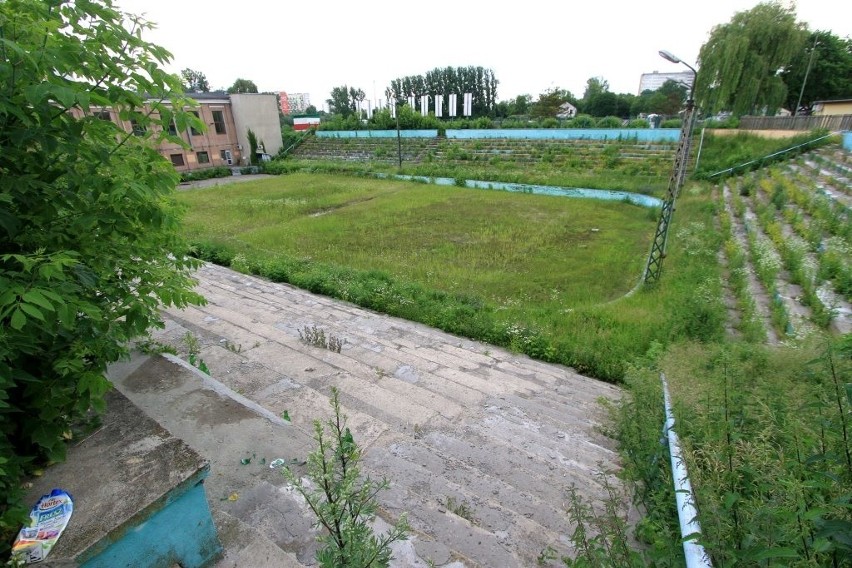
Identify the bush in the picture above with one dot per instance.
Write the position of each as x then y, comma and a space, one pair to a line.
671, 123
638, 123
581, 121
289, 137
609, 122
730, 122
279, 167
208, 173
88, 222
343, 501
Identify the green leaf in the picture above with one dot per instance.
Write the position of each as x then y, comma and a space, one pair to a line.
778, 552
36, 297
66, 315
730, 499
18, 320
32, 311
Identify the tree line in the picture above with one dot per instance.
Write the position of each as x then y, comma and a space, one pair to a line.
760, 61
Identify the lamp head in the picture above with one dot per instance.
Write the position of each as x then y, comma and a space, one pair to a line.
668, 56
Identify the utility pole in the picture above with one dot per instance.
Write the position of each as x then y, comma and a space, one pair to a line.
658, 248
805, 80
398, 137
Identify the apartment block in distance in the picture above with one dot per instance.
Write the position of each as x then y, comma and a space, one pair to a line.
224, 141
294, 103
655, 80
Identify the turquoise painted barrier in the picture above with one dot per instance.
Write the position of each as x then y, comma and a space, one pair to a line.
640, 134
576, 192
847, 141
376, 133
181, 532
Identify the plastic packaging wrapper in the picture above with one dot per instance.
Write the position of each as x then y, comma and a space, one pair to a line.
48, 518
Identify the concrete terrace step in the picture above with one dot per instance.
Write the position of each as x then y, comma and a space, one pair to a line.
383, 354
519, 151
439, 416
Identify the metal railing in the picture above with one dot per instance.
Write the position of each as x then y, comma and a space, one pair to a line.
760, 162
687, 512
297, 143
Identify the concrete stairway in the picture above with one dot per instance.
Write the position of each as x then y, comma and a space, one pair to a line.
479, 444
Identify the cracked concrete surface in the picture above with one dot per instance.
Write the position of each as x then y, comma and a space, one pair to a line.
447, 420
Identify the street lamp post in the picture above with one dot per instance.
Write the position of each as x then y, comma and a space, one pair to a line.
805, 80
398, 137
658, 248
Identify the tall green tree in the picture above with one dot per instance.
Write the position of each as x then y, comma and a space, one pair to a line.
741, 65
194, 81
340, 102
549, 102
89, 242
479, 81
668, 100
356, 97
243, 86
830, 76
595, 86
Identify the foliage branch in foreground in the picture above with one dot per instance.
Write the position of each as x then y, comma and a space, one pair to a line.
89, 247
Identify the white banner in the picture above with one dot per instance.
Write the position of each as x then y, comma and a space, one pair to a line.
424, 105
411, 102
439, 105
453, 104
468, 104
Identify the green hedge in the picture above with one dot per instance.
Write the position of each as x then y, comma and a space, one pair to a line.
208, 173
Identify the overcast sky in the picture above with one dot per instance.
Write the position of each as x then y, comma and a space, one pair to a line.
531, 45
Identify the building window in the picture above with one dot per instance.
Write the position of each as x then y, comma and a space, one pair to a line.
103, 115
192, 130
219, 121
203, 157
138, 129
172, 128
177, 159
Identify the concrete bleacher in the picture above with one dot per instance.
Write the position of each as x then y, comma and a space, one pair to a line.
652, 157
139, 497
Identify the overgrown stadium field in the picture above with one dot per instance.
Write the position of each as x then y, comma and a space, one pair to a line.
493, 244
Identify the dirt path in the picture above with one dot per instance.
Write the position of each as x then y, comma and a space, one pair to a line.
215, 182
480, 444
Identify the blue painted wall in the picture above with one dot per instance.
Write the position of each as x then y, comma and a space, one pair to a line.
376, 133
847, 141
181, 532
578, 192
640, 134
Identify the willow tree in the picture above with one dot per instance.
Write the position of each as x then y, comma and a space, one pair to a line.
741, 64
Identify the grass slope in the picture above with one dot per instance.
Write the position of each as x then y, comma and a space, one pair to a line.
546, 251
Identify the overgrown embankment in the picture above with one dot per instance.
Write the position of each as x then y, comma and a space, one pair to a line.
764, 418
